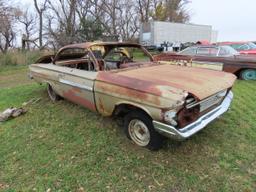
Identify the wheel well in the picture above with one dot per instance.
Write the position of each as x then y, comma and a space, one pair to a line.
237, 73
123, 109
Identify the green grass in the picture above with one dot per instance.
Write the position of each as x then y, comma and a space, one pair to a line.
64, 147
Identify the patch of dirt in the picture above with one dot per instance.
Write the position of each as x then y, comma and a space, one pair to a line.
3, 186
14, 79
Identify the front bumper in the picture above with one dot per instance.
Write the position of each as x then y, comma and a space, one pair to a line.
191, 129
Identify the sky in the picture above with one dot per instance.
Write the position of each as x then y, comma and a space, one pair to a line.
233, 19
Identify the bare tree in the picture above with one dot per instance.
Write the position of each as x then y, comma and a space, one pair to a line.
89, 26
143, 7
107, 13
84, 8
128, 21
170, 10
117, 17
40, 9
62, 24
29, 22
176, 11
7, 20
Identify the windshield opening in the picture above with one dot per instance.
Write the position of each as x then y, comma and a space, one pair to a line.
244, 46
113, 57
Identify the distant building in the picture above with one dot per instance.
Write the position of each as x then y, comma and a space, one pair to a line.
157, 32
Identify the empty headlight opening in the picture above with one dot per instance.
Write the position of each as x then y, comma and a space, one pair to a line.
187, 116
189, 113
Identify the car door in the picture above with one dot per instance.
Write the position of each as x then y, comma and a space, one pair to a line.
76, 82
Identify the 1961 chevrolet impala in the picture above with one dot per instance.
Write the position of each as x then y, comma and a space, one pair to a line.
156, 100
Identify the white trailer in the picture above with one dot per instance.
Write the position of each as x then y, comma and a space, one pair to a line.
158, 32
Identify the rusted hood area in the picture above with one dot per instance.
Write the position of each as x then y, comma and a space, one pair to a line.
171, 79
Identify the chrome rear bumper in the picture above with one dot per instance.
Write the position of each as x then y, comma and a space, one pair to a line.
191, 129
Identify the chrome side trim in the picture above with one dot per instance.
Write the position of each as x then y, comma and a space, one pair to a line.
207, 62
78, 85
191, 129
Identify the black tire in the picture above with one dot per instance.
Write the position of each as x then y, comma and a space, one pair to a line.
248, 74
52, 94
155, 141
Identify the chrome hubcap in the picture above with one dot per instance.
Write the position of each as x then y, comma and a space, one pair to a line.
139, 132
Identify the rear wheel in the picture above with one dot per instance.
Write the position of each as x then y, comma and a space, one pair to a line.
139, 128
248, 74
52, 94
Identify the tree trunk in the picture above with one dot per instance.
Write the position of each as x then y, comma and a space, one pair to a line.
41, 30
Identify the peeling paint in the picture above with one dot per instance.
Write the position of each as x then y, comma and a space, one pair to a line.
73, 96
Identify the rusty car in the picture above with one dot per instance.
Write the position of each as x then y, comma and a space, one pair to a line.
217, 57
122, 79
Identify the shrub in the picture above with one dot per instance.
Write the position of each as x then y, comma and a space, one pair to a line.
13, 58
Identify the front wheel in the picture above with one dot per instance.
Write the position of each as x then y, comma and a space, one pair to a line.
248, 74
139, 128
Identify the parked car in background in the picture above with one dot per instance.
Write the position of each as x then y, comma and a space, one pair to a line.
248, 48
203, 42
223, 58
209, 50
122, 79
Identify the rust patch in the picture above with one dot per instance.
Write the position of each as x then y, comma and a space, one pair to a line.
127, 92
200, 82
131, 83
76, 89
187, 116
72, 96
101, 106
